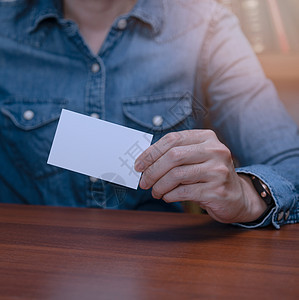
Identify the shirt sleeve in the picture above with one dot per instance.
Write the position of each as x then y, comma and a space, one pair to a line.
283, 192
247, 115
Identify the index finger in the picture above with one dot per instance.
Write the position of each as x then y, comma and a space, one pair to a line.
170, 140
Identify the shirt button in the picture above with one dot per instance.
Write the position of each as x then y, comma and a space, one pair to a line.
287, 214
93, 179
157, 120
95, 68
122, 24
280, 216
95, 115
28, 115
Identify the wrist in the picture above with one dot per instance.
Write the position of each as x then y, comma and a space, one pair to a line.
255, 205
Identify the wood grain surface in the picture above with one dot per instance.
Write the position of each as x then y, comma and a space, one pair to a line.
71, 253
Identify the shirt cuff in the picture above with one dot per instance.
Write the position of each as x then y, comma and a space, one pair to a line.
282, 191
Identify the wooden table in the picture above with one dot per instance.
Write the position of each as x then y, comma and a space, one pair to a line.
67, 253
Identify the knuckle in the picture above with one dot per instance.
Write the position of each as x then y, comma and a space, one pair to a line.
175, 155
148, 158
220, 150
210, 133
220, 192
156, 151
145, 180
184, 193
225, 152
173, 138
148, 175
156, 192
223, 171
176, 174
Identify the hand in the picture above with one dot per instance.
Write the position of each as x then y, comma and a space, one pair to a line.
194, 165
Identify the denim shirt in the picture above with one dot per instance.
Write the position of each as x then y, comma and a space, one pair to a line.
165, 66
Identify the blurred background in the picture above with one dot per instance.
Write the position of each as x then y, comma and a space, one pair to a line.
272, 28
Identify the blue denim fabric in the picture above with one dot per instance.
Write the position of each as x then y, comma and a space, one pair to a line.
185, 61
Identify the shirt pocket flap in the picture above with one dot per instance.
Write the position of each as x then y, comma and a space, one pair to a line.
158, 112
29, 114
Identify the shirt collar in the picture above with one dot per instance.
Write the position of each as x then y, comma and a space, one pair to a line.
148, 11
43, 10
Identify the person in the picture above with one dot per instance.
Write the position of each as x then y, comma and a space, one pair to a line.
170, 68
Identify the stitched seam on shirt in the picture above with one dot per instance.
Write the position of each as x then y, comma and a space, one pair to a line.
153, 98
103, 89
115, 36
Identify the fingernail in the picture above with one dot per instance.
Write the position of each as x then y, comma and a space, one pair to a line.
139, 166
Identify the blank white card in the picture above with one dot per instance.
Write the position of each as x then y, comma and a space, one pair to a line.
98, 148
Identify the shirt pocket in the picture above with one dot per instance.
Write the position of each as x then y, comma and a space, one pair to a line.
159, 114
27, 131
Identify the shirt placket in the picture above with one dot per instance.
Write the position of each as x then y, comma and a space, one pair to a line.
94, 102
